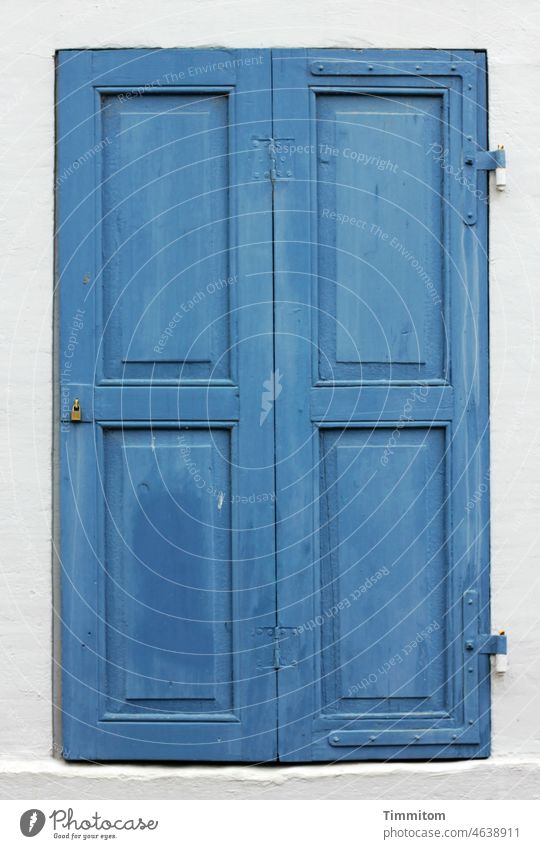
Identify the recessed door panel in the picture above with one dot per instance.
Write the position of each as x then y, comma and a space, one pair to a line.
168, 586
165, 231
383, 556
381, 239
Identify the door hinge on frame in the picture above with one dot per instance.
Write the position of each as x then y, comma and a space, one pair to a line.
475, 642
481, 160
491, 160
489, 644
280, 634
272, 159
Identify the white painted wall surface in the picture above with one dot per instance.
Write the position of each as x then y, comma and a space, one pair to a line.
32, 31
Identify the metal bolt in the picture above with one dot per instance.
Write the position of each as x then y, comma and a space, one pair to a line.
335, 739
321, 67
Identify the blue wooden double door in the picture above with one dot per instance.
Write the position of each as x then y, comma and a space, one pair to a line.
273, 316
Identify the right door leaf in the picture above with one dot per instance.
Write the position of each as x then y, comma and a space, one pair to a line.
381, 303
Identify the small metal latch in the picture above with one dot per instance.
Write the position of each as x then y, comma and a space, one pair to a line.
76, 411
272, 159
281, 632
278, 634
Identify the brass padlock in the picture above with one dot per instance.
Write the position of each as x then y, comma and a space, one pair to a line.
76, 411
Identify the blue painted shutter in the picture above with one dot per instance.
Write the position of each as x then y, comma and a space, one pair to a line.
381, 439
170, 308
165, 274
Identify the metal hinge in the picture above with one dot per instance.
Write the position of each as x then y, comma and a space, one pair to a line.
273, 159
280, 634
489, 644
490, 160
476, 643
480, 160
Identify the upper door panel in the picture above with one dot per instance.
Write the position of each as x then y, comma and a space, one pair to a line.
380, 234
165, 222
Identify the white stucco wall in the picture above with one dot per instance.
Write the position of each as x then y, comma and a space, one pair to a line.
32, 31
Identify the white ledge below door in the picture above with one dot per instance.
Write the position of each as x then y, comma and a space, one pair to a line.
494, 778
